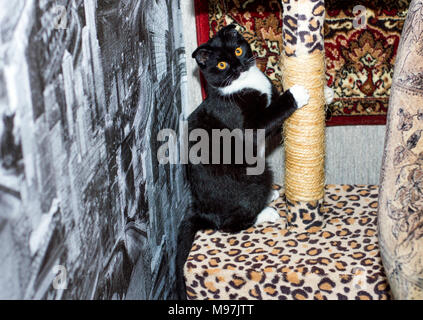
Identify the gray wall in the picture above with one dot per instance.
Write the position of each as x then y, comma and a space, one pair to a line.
80, 185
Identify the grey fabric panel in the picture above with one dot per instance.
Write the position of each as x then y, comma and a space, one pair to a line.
353, 155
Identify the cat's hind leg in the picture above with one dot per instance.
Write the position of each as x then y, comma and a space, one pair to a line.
268, 214
274, 194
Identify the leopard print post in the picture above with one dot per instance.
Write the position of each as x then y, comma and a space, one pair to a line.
303, 34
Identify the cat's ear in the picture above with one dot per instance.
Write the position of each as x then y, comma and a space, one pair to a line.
230, 31
201, 55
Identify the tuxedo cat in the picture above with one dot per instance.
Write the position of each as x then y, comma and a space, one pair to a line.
224, 196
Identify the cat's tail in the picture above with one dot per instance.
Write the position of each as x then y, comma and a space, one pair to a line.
186, 233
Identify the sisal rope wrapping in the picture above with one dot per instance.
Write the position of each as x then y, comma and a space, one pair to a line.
304, 131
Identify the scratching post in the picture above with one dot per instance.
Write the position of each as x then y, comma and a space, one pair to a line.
304, 132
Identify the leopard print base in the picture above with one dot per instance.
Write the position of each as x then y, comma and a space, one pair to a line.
307, 216
338, 259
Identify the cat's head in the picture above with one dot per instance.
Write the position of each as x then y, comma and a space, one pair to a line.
224, 57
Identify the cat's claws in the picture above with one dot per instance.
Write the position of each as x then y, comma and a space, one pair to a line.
329, 95
300, 95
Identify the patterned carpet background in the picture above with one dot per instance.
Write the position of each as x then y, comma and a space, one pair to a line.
359, 61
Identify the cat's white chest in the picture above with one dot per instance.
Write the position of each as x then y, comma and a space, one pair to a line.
253, 78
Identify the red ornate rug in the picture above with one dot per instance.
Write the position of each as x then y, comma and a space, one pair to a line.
360, 53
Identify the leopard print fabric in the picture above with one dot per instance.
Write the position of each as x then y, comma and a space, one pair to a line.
337, 258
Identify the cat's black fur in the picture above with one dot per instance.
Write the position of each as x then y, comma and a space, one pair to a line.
224, 196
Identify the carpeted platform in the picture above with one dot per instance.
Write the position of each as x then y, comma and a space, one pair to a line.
337, 258
359, 60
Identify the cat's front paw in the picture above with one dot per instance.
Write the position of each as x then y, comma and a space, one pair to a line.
329, 95
300, 95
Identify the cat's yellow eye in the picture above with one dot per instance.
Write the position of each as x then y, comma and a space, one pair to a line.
238, 51
222, 65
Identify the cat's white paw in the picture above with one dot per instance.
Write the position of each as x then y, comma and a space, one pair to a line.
274, 194
329, 95
300, 95
268, 214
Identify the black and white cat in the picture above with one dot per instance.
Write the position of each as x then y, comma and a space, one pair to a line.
224, 196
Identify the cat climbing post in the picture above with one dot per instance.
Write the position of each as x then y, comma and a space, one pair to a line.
304, 132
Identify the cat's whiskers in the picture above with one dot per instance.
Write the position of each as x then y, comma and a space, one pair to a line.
252, 59
226, 81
